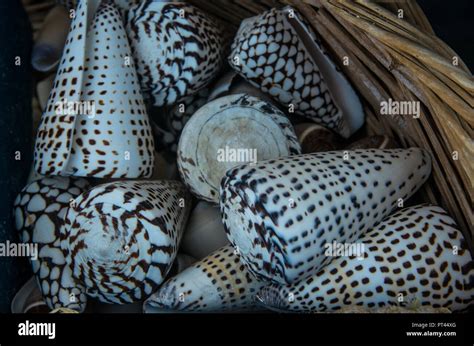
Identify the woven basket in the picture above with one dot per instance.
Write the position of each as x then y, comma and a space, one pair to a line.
393, 53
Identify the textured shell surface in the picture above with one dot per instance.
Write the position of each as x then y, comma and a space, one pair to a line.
39, 210
121, 238
177, 48
229, 131
280, 213
278, 52
204, 232
219, 282
416, 254
95, 103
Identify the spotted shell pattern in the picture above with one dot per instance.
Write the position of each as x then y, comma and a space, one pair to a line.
121, 238
280, 213
96, 70
177, 48
271, 55
39, 210
219, 282
416, 254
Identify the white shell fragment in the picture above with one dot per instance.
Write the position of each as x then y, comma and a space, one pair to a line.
205, 231
51, 39
229, 131
416, 257
219, 282
281, 54
95, 123
280, 213
39, 210
177, 48
122, 237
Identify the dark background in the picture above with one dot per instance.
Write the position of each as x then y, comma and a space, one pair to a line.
452, 20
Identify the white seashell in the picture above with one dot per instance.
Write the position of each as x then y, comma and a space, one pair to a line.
28, 298
416, 257
316, 138
293, 67
205, 232
219, 282
39, 225
108, 135
177, 48
127, 233
280, 213
229, 131
51, 39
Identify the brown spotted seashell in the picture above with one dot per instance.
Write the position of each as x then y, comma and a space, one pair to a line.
229, 131
177, 48
280, 213
121, 238
280, 53
95, 123
39, 210
219, 282
315, 138
415, 257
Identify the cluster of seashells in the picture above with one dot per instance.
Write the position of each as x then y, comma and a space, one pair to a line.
215, 175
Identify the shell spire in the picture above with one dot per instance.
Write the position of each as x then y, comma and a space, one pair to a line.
121, 238
218, 282
281, 213
414, 257
95, 103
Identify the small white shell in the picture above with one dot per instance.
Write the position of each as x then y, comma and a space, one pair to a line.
205, 232
229, 131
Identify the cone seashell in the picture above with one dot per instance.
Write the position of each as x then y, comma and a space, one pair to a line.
280, 213
219, 282
29, 299
122, 237
316, 138
279, 53
39, 210
90, 142
215, 135
414, 257
205, 231
177, 48
51, 40
374, 142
